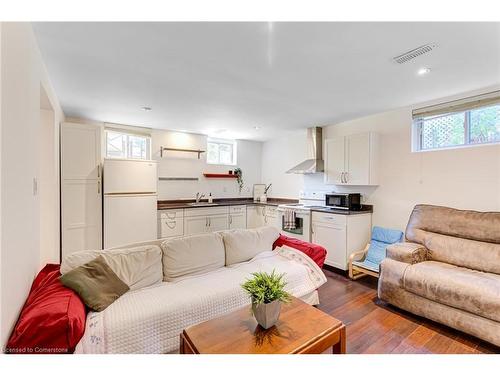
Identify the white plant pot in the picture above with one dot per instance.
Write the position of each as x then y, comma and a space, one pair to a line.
267, 314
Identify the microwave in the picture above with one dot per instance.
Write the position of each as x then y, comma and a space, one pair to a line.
343, 201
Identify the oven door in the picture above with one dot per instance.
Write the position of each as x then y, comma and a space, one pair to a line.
302, 226
299, 225
338, 201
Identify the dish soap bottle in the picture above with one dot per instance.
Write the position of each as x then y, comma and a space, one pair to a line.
210, 199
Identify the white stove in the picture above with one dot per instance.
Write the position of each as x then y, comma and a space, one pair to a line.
307, 201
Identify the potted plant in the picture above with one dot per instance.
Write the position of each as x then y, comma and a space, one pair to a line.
267, 292
239, 177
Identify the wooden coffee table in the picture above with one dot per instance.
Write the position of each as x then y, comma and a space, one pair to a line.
302, 329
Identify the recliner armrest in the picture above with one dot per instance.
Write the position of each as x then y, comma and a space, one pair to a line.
407, 252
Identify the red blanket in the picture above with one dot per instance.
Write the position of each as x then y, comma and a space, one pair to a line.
315, 252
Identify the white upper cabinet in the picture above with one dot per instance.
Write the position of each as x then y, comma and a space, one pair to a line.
334, 160
80, 151
352, 160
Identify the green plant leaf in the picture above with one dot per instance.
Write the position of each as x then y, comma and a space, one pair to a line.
266, 288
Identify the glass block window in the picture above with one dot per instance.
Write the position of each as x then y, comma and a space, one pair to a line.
120, 145
470, 127
221, 151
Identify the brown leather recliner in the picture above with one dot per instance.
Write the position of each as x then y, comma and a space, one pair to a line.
448, 270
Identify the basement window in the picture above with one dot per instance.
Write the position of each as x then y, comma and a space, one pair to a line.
468, 122
221, 151
123, 145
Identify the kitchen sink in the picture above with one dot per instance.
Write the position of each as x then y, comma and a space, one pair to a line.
202, 204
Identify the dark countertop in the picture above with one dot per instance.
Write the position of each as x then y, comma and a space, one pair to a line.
365, 209
179, 204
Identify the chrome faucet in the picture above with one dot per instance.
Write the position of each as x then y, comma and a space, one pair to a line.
199, 196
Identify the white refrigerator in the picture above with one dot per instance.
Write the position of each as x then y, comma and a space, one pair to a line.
130, 196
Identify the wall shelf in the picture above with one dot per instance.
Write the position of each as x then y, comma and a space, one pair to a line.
178, 178
162, 149
219, 175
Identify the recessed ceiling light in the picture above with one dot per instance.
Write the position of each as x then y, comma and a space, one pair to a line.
256, 127
146, 109
423, 71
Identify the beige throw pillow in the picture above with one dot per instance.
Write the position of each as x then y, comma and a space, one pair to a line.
138, 267
192, 255
244, 244
96, 284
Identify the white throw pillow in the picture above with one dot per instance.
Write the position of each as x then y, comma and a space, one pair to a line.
244, 244
192, 255
138, 267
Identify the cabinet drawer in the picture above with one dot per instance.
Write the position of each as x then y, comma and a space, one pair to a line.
170, 214
237, 209
323, 217
188, 212
171, 227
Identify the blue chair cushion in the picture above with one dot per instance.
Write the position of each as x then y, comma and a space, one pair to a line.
381, 238
389, 236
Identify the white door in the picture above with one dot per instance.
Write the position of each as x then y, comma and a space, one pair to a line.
195, 225
129, 218
333, 239
130, 176
237, 221
334, 160
217, 222
82, 213
81, 199
358, 159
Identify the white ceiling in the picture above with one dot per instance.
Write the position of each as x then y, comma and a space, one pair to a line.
211, 77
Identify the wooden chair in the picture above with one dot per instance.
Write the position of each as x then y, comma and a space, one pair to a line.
367, 261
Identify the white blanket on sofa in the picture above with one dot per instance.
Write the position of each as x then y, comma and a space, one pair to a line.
150, 320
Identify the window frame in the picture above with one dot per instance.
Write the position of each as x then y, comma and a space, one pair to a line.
147, 137
418, 134
220, 141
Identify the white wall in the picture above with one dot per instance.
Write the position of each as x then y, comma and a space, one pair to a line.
22, 74
48, 187
188, 165
467, 178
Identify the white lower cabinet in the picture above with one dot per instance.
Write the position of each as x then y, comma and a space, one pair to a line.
184, 222
237, 217
341, 235
195, 225
170, 223
272, 217
205, 220
255, 217
217, 222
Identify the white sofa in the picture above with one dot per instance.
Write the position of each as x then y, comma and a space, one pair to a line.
181, 282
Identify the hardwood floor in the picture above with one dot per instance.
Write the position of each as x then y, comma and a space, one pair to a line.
375, 327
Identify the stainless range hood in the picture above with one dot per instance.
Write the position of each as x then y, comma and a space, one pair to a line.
314, 163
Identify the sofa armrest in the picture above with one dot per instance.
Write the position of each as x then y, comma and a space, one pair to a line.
407, 252
315, 252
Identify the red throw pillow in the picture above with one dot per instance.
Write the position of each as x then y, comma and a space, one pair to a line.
52, 319
315, 252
